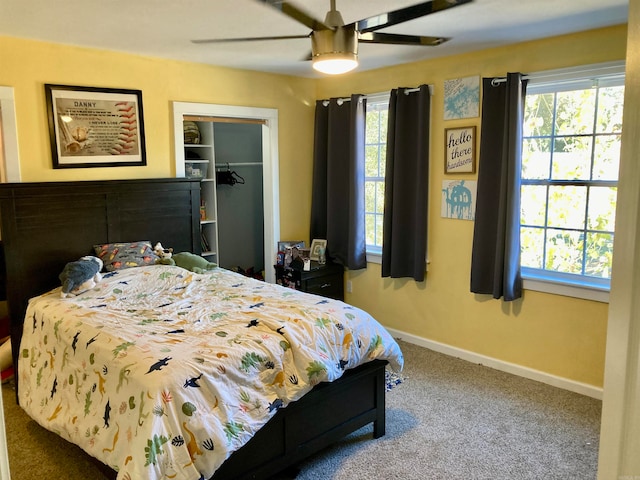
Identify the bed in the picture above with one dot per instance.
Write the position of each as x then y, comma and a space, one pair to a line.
99, 378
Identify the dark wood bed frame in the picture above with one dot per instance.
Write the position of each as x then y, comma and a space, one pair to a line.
46, 225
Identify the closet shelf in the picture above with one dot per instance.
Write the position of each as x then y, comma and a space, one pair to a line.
239, 164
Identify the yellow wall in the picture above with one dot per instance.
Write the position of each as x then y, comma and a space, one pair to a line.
28, 65
554, 334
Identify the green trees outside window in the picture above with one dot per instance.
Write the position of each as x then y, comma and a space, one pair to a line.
570, 158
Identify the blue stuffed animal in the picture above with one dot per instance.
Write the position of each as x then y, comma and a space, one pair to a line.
80, 276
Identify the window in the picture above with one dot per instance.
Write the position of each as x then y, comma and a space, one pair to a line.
570, 157
375, 158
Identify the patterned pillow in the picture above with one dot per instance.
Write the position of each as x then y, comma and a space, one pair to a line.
117, 256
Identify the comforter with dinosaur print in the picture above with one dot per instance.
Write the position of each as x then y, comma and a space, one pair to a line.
163, 373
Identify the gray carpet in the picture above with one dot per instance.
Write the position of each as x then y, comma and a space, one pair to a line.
449, 419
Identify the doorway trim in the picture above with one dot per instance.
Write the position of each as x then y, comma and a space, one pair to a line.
270, 168
9, 132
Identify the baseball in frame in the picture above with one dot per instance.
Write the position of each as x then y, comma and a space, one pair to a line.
95, 127
460, 150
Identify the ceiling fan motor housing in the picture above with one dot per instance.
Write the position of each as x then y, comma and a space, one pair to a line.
342, 41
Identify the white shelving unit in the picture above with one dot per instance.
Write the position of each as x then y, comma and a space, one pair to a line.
199, 162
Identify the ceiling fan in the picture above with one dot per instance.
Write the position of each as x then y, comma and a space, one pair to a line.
334, 45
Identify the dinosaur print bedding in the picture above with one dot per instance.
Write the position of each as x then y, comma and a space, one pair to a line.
163, 373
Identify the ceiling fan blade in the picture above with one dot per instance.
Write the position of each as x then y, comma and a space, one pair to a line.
395, 39
405, 14
247, 39
294, 12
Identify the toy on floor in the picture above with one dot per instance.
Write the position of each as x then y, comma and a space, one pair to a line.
80, 276
190, 261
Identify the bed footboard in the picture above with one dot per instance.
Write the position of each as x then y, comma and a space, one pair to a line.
320, 418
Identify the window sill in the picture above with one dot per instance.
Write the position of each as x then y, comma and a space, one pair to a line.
565, 289
541, 285
374, 258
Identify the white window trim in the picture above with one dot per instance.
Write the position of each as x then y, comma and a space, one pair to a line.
564, 289
539, 83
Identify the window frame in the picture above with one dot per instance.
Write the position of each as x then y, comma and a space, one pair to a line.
374, 253
551, 81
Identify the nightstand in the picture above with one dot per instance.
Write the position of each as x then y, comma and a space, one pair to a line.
326, 280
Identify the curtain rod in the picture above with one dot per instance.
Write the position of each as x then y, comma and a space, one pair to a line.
562, 74
496, 80
348, 99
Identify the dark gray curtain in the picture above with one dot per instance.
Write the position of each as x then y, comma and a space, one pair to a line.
406, 194
337, 196
495, 262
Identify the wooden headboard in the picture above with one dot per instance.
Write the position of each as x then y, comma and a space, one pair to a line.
46, 225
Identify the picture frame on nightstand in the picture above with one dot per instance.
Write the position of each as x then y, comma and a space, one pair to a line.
317, 246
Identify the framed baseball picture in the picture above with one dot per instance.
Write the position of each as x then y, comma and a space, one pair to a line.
95, 127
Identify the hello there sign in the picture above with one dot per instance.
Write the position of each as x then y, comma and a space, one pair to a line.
460, 150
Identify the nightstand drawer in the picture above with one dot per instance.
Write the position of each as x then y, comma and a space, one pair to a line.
326, 280
328, 285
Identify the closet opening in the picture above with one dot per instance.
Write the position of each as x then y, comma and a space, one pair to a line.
235, 155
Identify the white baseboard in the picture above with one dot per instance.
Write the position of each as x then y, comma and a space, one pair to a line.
530, 373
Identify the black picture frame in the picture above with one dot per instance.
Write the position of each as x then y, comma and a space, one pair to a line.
95, 127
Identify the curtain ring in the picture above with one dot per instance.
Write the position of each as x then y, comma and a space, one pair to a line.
495, 82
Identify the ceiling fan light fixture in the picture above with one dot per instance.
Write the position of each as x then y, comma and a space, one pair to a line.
335, 51
334, 45
335, 63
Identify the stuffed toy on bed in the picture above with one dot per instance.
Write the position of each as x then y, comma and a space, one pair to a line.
80, 276
190, 261
162, 252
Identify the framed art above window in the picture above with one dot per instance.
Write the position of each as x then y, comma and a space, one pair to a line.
95, 127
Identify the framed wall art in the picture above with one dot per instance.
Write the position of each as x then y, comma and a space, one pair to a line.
460, 150
459, 199
95, 127
462, 98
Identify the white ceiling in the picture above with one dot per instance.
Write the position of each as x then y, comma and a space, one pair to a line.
164, 28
